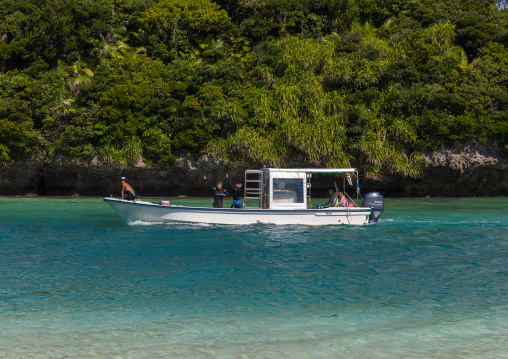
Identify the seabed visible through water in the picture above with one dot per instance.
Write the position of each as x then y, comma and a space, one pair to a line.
430, 280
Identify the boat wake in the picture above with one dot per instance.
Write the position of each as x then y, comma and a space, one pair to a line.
143, 223
170, 224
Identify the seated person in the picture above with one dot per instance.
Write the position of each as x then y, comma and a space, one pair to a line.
333, 199
342, 200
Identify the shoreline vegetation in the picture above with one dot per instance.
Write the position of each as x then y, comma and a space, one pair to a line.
89, 90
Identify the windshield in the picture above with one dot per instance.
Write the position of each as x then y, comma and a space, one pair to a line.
288, 190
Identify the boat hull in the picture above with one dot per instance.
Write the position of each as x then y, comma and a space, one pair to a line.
131, 211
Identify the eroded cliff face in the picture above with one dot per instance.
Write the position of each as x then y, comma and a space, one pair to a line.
464, 171
64, 178
468, 170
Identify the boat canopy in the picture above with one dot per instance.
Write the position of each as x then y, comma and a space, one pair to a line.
286, 188
331, 171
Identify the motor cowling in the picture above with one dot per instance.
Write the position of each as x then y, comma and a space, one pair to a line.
375, 201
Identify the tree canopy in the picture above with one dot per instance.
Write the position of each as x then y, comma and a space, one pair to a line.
365, 83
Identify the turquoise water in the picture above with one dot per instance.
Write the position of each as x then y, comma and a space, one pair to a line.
430, 280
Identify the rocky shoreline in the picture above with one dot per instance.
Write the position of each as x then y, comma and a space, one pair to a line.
465, 171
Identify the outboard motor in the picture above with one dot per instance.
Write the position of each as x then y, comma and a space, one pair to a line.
375, 201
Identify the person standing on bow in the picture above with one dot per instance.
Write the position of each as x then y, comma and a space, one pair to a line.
127, 190
237, 193
218, 193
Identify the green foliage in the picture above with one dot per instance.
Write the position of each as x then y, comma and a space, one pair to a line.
474, 32
367, 83
176, 24
18, 139
50, 30
130, 98
129, 153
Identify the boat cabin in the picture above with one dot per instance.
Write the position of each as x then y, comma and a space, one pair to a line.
277, 188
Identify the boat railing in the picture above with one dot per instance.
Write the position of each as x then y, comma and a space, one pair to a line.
253, 188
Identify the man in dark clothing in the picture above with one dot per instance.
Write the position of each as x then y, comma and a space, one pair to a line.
218, 193
237, 193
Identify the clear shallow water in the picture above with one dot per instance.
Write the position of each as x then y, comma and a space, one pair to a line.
430, 280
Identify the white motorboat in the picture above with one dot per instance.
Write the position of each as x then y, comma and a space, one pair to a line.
282, 196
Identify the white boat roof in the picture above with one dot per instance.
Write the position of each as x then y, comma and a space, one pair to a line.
312, 170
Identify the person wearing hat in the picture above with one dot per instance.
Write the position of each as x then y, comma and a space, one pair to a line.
237, 193
127, 190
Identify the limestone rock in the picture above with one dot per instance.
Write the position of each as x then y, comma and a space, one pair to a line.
466, 170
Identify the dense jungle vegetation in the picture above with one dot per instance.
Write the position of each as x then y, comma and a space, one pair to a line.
364, 83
